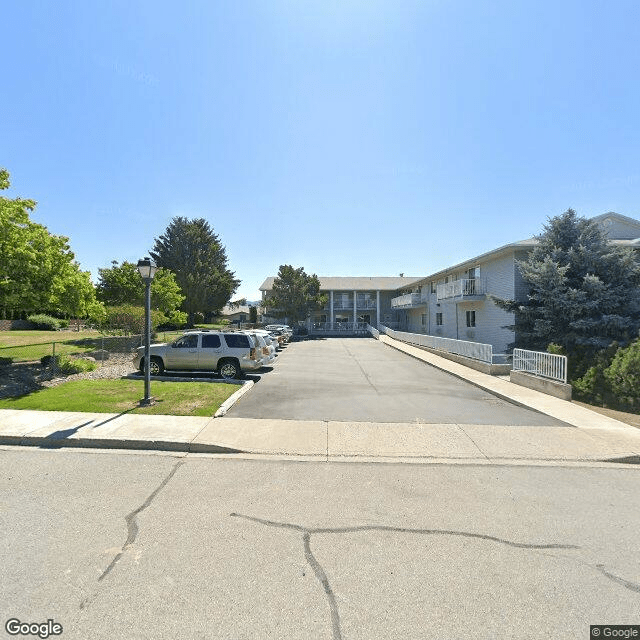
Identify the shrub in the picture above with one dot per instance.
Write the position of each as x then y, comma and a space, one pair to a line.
129, 319
623, 375
44, 322
68, 366
588, 374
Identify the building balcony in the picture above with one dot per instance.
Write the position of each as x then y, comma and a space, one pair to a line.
461, 289
409, 301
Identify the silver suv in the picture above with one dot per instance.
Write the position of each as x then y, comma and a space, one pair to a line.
229, 354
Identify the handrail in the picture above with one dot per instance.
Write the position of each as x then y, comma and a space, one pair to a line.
475, 350
541, 363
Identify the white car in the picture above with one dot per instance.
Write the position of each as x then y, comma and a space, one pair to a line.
285, 328
266, 350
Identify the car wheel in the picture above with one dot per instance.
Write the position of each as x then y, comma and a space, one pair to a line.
157, 366
229, 370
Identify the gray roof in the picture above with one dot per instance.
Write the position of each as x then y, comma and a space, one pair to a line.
229, 311
349, 283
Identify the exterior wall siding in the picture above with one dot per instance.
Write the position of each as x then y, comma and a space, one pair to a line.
499, 275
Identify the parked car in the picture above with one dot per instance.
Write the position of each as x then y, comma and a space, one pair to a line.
286, 336
267, 351
229, 354
284, 328
270, 339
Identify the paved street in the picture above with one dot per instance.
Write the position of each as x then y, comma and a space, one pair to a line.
125, 546
361, 379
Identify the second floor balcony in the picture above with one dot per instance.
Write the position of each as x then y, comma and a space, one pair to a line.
409, 301
342, 304
461, 289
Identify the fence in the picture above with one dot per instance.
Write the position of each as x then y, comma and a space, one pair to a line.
474, 350
104, 350
540, 363
373, 331
344, 327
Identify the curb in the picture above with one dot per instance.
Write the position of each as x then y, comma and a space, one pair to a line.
229, 402
134, 376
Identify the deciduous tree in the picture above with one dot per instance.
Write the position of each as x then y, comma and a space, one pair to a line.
38, 271
121, 284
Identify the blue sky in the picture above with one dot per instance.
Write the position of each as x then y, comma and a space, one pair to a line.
349, 137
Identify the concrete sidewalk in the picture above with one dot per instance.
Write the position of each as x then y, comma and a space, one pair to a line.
585, 436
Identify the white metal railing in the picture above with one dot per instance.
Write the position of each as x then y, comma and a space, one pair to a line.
408, 300
339, 326
475, 350
461, 288
365, 303
540, 363
373, 331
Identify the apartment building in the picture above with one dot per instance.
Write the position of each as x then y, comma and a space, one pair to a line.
454, 302
352, 302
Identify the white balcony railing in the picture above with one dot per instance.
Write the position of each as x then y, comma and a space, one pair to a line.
461, 288
338, 327
361, 303
409, 300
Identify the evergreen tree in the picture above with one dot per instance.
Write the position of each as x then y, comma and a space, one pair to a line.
195, 254
584, 291
295, 294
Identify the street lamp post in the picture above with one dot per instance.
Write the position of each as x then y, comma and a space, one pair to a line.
147, 269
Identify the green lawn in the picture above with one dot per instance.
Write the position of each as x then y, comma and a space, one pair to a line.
17, 338
117, 396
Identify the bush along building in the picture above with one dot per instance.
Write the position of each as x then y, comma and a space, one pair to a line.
455, 302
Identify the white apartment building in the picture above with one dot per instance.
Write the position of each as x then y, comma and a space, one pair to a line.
453, 302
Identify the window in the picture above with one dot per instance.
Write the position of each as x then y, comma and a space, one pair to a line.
186, 342
439, 319
210, 342
424, 319
433, 286
237, 341
471, 318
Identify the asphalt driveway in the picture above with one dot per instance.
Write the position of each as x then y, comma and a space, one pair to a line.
363, 380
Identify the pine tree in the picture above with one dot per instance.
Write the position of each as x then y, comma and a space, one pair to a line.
584, 291
295, 294
195, 254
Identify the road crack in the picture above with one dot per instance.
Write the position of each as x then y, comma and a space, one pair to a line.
321, 575
132, 523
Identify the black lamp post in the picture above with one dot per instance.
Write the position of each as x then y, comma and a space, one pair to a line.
147, 269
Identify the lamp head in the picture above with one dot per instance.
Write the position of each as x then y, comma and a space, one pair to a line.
147, 268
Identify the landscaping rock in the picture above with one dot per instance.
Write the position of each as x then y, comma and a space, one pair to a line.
100, 354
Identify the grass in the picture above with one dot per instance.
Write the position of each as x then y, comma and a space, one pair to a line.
117, 396
27, 346
18, 338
